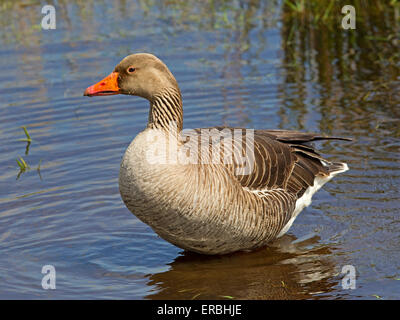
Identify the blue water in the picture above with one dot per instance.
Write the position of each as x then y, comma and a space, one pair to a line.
233, 69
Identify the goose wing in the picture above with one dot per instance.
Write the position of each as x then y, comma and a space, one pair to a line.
281, 159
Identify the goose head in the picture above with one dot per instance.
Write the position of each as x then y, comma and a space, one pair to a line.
140, 74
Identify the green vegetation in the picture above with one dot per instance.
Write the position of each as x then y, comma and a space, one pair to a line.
22, 164
28, 137
196, 296
227, 297
28, 140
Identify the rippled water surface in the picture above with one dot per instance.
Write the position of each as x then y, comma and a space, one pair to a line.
255, 64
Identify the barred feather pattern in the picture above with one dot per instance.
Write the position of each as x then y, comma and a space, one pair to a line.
166, 110
208, 208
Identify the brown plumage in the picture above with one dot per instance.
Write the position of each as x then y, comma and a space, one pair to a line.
283, 159
211, 204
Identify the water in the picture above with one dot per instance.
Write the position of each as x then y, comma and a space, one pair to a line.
252, 64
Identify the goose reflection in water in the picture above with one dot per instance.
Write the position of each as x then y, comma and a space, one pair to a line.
288, 269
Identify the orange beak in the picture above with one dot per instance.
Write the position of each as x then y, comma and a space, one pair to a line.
106, 87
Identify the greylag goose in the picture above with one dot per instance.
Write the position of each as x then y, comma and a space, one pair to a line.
237, 202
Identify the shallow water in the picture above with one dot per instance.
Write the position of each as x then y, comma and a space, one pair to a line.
240, 64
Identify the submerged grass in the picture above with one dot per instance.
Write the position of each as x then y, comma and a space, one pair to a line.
23, 167
28, 140
28, 137
227, 297
22, 164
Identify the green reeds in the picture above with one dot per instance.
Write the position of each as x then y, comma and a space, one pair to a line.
28, 140
22, 164
28, 137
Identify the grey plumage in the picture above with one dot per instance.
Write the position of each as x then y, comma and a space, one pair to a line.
208, 207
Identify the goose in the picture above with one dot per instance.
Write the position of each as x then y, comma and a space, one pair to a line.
235, 203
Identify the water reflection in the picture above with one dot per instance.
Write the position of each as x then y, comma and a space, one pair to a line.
351, 75
285, 270
261, 64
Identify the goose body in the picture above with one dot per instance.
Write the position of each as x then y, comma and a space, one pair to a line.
210, 207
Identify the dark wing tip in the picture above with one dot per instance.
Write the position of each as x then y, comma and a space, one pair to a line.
300, 137
332, 138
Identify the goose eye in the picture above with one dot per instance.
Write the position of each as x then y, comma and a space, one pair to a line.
131, 70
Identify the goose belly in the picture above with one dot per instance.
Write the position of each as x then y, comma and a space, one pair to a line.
186, 206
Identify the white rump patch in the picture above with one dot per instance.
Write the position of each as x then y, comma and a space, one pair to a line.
305, 199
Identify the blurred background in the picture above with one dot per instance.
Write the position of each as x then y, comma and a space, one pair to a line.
284, 64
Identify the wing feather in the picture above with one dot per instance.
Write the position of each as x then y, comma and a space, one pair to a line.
282, 160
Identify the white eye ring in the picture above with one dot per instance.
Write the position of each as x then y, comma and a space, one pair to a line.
131, 70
